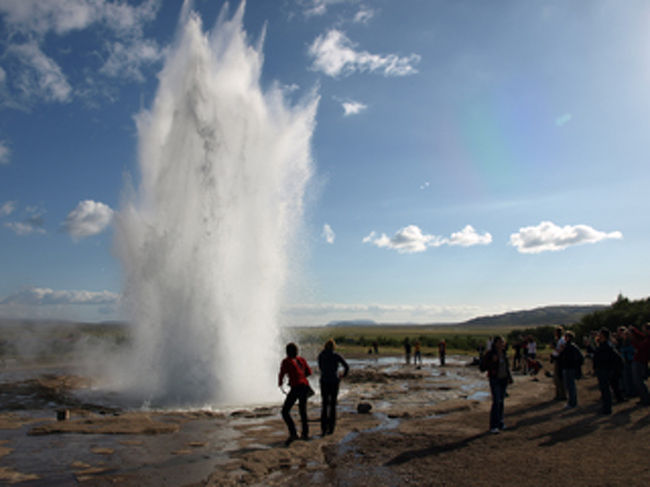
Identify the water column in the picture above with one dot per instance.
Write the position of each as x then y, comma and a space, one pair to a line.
205, 237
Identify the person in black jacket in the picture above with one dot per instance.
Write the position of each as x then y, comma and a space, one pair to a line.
607, 364
570, 362
328, 363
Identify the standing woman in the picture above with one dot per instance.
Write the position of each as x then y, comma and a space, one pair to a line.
328, 363
298, 370
495, 363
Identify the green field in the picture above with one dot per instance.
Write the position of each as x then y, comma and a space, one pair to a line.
357, 340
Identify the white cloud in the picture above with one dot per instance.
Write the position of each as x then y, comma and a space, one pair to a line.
27, 227
46, 296
39, 17
7, 208
39, 76
30, 225
352, 108
324, 308
407, 240
549, 237
328, 234
313, 8
4, 153
88, 218
468, 237
127, 59
425, 185
128, 20
3, 75
334, 54
321, 313
410, 239
364, 15
563, 119
42, 76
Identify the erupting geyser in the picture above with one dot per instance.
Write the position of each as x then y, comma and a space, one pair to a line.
205, 238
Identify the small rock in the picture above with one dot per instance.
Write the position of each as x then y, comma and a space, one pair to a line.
364, 408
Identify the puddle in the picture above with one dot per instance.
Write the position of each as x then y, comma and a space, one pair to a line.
479, 396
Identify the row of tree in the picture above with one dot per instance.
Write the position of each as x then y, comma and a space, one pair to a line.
622, 312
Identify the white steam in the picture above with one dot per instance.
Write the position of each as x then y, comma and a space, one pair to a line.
204, 239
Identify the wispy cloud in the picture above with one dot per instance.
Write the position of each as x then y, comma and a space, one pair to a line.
311, 8
7, 208
411, 239
87, 219
364, 15
26, 227
328, 234
548, 236
321, 313
425, 185
127, 59
32, 223
41, 77
352, 108
5, 153
334, 54
324, 308
37, 76
563, 119
45, 296
62, 16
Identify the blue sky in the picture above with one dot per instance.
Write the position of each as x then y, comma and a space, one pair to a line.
470, 157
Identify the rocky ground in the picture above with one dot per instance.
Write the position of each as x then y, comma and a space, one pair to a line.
428, 426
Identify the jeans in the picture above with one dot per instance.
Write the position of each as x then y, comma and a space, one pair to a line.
329, 392
569, 376
639, 374
498, 390
298, 393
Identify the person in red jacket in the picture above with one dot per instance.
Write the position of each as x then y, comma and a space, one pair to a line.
298, 370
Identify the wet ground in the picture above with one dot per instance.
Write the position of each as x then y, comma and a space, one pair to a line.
105, 444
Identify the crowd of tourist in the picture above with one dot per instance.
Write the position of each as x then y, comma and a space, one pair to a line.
618, 360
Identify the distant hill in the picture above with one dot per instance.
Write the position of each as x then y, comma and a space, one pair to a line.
352, 323
546, 315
